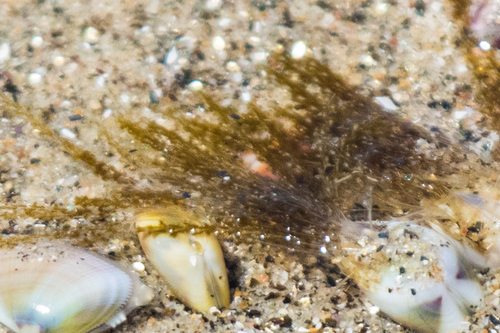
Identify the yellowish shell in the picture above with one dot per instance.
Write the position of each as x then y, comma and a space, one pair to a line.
187, 255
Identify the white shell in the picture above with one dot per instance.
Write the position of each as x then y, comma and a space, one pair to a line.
65, 289
418, 276
191, 264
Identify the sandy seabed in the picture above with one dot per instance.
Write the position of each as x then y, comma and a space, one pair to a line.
82, 62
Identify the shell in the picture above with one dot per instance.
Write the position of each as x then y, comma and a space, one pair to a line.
418, 276
65, 289
473, 219
191, 263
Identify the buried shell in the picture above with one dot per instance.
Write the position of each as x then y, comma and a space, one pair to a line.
188, 257
65, 289
420, 277
472, 218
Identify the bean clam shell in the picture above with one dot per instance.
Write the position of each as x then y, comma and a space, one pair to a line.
419, 276
65, 289
186, 255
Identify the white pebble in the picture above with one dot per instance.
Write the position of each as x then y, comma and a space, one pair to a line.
4, 52
138, 266
91, 35
386, 103
305, 301
373, 310
125, 99
298, 50
66, 133
58, 61
436, 6
239, 325
254, 40
213, 310
212, 4
258, 57
459, 114
195, 85
171, 56
232, 66
381, 8
66, 104
367, 60
302, 330
237, 77
224, 22
246, 96
35, 79
100, 81
107, 113
484, 45
323, 250
283, 312
37, 41
218, 43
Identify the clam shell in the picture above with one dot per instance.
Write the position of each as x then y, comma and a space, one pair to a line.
473, 219
65, 289
190, 260
418, 276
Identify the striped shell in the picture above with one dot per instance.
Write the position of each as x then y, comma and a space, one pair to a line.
65, 289
187, 255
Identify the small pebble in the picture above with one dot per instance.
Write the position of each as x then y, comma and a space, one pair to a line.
246, 96
218, 43
37, 41
213, 310
298, 50
232, 66
65, 104
171, 56
195, 85
213, 4
35, 79
373, 310
381, 8
254, 40
66, 133
91, 35
237, 77
224, 22
107, 113
4, 52
125, 99
138, 266
367, 60
484, 45
100, 81
259, 57
386, 103
58, 61
75, 117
